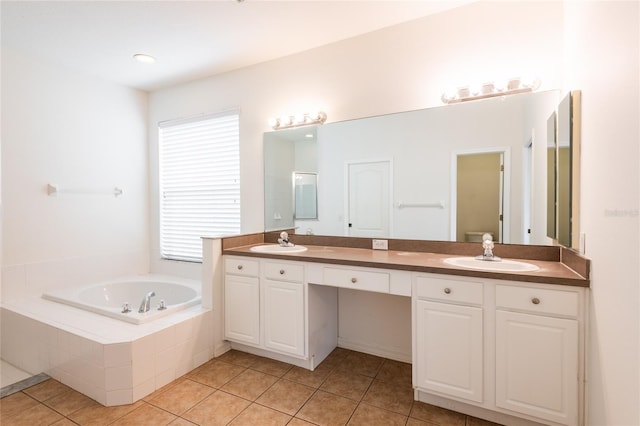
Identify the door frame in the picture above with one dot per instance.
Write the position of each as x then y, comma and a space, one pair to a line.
506, 188
346, 193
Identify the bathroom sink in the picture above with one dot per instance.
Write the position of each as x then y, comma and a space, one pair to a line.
502, 265
275, 248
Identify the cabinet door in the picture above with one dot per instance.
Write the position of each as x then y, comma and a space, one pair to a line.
242, 309
449, 349
537, 365
284, 316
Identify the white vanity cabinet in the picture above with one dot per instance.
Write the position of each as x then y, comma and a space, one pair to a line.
242, 300
283, 307
491, 347
449, 337
537, 359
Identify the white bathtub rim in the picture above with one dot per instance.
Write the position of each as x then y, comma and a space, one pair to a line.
69, 296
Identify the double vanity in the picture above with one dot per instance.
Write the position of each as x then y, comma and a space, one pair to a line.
503, 345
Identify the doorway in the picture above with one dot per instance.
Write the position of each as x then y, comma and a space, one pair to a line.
478, 196
368, 200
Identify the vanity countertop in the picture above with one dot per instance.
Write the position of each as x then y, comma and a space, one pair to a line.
550, 272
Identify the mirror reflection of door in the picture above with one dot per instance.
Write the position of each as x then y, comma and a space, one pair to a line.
368, 199
479, 201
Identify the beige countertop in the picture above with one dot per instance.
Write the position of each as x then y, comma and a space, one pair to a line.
550, 272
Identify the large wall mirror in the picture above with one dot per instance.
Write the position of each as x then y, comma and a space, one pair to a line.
406, 175
563, 128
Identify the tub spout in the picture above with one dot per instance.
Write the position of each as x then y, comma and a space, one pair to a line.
146, 302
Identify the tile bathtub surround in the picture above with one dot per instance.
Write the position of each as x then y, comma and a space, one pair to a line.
243, 389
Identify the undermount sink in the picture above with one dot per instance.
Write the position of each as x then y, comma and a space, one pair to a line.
502, 265
278, 249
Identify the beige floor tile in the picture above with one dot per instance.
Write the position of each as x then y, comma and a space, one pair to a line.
242, 359
367, 415
310, 378
218, 408
361, 363
216, 374
440, 416
145, 415
64, 422
164, 388
416, 422
352, 386
179, 421
97, 415
286, 396
47, 389
395, 372
263, 416
14, 404
391, 397
183, 396
271, 366
324, 408
299, 422
38, 415
249, 384
68, 401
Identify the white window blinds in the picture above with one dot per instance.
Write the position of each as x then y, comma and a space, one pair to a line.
199, 183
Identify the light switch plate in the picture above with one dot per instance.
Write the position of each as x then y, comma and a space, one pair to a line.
380, 245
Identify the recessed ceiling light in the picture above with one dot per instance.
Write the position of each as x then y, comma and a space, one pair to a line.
145, 59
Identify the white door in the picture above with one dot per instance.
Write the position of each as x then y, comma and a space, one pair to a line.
284, 317
242, 309
368, 199
537, 366
449, 349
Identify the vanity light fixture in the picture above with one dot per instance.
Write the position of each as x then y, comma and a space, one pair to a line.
491, 89
306, 119
143, 58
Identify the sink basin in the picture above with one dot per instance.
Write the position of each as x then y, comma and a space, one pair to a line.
275, 248
503, 265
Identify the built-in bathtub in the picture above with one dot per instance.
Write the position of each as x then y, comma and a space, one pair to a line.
120, 298
112, 361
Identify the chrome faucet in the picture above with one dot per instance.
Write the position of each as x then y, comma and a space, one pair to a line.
487, 248
146, 302
284, 240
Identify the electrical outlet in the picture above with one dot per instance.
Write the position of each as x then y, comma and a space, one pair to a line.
380, 245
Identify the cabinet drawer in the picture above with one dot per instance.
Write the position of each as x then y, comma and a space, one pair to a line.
241, 266
357, 279
537, 300
449, 290
283, 271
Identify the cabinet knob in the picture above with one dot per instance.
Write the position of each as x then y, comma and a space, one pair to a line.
535, 301
281, 271
354, 280
239, 267
447, 290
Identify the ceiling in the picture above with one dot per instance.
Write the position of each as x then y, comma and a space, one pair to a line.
189, 39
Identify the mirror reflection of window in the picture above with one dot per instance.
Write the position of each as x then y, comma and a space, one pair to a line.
305, 192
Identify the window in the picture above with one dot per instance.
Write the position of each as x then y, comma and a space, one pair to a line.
199, 183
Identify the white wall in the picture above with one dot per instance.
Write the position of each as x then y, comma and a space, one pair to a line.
602, 59
401, 68
78, 132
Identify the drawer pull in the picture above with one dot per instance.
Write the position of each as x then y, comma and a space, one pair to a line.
447, 290
240, 267
281, 271
354, 280
535, 301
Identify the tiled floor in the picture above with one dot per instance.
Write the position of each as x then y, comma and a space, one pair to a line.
242, 389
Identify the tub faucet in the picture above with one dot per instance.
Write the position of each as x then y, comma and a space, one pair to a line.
146, 302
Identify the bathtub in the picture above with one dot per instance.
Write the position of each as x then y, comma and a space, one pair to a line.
109, 298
